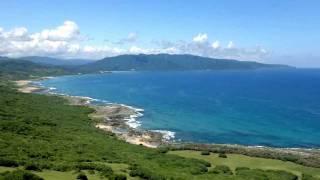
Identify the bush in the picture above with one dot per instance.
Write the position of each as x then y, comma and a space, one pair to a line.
221, 169
200, 170
207, 164
308, 177
205, 153
19, 175
264, 174
8, 163
222, 155
103, 169
82, 176
118, 177
238, 169
163, 150
62, 167
145, 174
32, 167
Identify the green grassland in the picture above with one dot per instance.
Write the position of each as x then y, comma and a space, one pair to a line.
57, 175
48, 137
235, 160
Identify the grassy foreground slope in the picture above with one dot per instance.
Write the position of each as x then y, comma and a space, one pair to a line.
236, 160
45, 135
45, 132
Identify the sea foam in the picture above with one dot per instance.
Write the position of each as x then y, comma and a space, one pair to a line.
167, 135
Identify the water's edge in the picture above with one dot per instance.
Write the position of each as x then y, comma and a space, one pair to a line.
167, 137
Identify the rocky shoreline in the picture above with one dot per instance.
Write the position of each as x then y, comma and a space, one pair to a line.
115, 119
112, 118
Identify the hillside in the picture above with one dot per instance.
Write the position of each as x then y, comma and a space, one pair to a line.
20, 69
45, 66
55, 61
166, 62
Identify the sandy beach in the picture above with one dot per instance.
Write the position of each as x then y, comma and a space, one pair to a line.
26, 86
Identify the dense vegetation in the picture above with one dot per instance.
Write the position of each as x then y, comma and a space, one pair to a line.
168, 62
19, 69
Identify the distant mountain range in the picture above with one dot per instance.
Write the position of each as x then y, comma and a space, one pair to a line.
45, 66
56, 61
21, 69
167, 62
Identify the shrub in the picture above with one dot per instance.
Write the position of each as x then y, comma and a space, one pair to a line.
264, 174
118, 177
8, 163
207, 164
238, 169
221, 169
205, 153
163, 150
20, 174
32, 167
103, 169
62, 167
145, 174
82, 176
199, 170
308, 177
222, 155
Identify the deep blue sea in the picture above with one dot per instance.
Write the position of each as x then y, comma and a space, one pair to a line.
278, 108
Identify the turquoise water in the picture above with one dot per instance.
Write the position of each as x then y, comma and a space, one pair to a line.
279, 108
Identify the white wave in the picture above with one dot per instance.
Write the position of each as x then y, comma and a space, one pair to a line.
131, 107
132, 119
167, 135
132, 122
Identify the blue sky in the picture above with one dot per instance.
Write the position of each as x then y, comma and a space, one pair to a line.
286, 31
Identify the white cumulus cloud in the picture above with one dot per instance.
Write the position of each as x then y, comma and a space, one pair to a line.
230, 45
200, 38
66, 41
215, 44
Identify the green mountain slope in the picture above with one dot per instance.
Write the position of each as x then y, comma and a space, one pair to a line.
166, 62
56, 61
20, 69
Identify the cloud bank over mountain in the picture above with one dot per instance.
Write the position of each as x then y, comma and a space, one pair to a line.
67, 41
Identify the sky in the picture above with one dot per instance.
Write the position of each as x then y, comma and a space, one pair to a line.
269, 31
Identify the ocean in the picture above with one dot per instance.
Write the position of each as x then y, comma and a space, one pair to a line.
276, 108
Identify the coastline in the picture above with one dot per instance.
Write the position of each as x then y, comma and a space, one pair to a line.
118, 119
